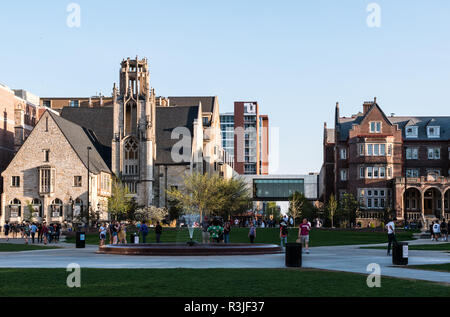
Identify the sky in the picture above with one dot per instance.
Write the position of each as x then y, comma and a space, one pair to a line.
296, 58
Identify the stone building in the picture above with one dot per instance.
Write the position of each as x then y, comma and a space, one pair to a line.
47, 178
389, 163
139, 132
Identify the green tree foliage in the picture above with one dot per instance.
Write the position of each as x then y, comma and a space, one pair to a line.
206, 194
272, 210
120, 204
300, 207
347, 209
236, 197
331, 208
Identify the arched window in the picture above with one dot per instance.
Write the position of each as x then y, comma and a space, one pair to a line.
56, 208
15, 208
37, 207
131, 154
131, 149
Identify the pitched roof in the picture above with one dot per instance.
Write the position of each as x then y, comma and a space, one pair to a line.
207, 102
346, 124
422, 123
80, 138
167, 119
100, 121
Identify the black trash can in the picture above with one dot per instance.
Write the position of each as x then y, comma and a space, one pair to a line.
400, 253
293, 254
81, 240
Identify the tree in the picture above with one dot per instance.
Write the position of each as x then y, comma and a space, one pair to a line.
199, 195
206, 194
120, 203
151, 213
348, 206
236, 197
300, 207
331, 208
272, 210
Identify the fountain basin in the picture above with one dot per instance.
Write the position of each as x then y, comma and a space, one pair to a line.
181, 249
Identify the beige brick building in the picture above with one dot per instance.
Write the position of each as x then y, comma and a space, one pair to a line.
49, 173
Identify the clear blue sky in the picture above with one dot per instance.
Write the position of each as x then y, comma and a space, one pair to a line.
297, 58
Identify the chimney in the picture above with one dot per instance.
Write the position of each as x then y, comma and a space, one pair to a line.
366, 106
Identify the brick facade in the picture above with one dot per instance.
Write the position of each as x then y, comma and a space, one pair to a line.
369, 155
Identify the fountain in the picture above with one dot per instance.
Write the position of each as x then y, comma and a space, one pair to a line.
190, 248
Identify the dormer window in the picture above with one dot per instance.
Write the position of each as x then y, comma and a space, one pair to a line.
412, 132
375, 127
433, 132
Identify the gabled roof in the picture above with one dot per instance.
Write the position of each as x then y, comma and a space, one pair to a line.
100, 121
80, 139
207, 102
346, 124
167, 119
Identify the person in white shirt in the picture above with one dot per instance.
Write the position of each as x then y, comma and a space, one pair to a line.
391, 234
437, 230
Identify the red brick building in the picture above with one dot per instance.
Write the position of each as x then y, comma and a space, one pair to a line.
19, 112
389, 163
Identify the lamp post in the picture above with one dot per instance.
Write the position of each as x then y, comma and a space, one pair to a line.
88, 181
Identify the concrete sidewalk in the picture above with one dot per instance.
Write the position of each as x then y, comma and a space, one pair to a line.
335, 258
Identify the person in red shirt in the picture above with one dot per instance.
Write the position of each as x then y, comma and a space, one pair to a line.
303, 234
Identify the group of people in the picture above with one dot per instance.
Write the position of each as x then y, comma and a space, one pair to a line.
439, 230
303, 234
117, 232
215, 232
39, 232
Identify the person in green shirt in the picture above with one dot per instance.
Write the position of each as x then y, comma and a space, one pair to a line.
215, 231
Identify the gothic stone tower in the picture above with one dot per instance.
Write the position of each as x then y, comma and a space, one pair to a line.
133, 144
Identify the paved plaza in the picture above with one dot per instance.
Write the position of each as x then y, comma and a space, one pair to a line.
338, 258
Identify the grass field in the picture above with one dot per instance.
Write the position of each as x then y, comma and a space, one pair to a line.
423, 247
209, 283
8, 247
432, 267
271, 235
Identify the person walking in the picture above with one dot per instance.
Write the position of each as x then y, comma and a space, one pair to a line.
14, 230
33, 230
226, 232
6, 228
283, 234
102, 230
144, 230
39, 238
26, 232
432, 232
437, 230
444, 230
303, 234
391, 234
111, 232
45, 232
252, 232
158, 232
205, 232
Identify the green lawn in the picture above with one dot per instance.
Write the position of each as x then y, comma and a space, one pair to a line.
8, 247
423, 247
432, 267
271, 235
199, 283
